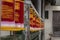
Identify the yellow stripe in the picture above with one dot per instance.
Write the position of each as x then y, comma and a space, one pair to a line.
33, 30
5, 28
8, 0
19, 0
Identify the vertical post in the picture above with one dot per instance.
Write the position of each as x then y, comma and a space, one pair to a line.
0, 16
41, 13
27, 19
43, 10
40, 35
39, 6
44, 19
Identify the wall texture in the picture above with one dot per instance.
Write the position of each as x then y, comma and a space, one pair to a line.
57, 2
4, 33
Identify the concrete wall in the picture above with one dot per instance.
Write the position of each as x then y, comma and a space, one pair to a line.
48, 22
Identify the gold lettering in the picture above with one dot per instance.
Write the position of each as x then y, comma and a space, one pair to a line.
17, 5
16, 16
7, 12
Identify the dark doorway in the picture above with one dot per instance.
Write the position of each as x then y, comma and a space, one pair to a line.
56, 23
